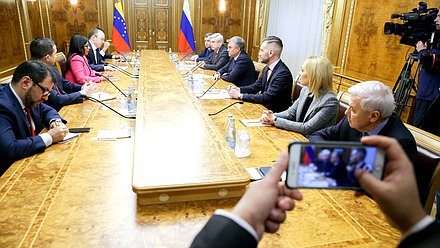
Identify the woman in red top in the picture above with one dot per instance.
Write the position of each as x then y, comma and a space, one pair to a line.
78, 69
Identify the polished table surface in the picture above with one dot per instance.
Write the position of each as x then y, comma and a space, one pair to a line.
79, 193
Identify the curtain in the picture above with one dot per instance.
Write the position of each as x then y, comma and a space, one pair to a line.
299, 24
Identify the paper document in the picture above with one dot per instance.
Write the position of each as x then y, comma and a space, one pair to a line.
102, 96
215, 94
253, 123
114, 134
69, 136
114, 78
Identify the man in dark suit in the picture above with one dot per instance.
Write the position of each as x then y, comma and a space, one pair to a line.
206, 52
63, 92
274, 87
219, 55
96, 55
240, 69
23, 115
262, 208
370, 112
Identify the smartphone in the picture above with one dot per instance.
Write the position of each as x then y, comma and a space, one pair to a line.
331, 165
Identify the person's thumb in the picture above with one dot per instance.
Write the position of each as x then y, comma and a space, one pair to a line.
368, 182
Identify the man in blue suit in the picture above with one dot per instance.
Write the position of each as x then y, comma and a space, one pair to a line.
274, 87
206, 52
63, 92
240, 69
23, 115
96, 55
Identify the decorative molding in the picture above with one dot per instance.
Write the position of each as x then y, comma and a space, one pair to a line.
49, 23
22, 32
41, 18
327, 24
347, 35
162, 23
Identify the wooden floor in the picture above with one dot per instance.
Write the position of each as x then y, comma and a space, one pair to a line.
79, 194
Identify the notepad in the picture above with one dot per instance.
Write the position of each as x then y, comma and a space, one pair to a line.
69, 136
253, 123
102, 96
114, 134
114, 78
215, 94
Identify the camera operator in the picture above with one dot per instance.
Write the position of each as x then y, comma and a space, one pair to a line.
428, 83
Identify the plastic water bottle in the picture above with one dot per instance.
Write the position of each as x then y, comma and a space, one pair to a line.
170, 53
191, 81
131, 100
231, 131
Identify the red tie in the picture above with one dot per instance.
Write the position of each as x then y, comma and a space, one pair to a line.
266, 74
28, 115
57, 88
215, 58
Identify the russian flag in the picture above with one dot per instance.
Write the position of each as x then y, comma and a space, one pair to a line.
186, 35
308, 157
120, 39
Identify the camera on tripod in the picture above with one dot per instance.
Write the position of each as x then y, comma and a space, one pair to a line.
417, 25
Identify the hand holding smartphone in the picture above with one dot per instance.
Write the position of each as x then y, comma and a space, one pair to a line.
331, 165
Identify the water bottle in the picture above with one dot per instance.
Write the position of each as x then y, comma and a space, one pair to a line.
131, 100
170, 53
231, 131
191, 81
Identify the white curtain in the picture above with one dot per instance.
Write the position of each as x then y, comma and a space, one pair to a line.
299, 25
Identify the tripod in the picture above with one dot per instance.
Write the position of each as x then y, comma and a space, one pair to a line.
405, 83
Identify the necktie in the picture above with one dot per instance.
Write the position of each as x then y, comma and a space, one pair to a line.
215, 58
266, 75
96, 55
29, 118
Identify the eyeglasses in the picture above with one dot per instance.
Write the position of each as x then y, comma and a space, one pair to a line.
45, 91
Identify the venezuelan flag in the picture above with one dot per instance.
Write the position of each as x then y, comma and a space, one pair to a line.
186, 34
119, 34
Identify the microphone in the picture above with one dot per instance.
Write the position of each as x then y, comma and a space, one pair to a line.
223, 109
126, 60
96, 100
197, 66
124, 71
185, 56
110, 81
209, 88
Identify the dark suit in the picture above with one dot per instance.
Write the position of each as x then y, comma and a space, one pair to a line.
426, 238
69, 92
97, 65
394, 128
204, 54
221, 60
240, 71
221, 231
16, 141
274, 94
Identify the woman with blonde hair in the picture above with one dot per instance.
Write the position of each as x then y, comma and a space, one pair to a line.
316, 106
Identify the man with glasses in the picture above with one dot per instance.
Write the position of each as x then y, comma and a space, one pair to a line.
64, 92
23, 115
96, 55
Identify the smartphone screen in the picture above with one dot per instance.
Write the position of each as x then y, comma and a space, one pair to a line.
331, 165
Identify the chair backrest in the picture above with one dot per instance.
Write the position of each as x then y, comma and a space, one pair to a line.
428, 165
6, 80
258, 68
343, 105
60, 63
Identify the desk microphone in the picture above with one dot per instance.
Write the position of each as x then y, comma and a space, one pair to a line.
240, 102
126, 60
209, 88
96, 100
110, 81
197, 66
185, 56
124, 71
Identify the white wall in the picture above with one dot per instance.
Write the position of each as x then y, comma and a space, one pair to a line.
299, 25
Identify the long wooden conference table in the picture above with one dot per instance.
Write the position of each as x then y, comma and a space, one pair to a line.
83, 193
